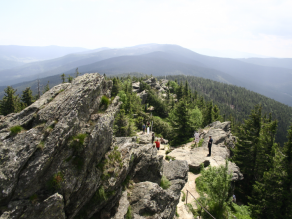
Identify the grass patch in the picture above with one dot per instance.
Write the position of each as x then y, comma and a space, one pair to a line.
52, 126
100, 195
112, 160
15, 129
176, 214
169, 158
168, 151
183, 198
192, 210
34, 198
60, 91
78, 141
55, 182
129, 214
201, 142
104, 102
165, 184
41, 145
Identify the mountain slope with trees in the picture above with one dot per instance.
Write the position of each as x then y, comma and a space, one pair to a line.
238, 102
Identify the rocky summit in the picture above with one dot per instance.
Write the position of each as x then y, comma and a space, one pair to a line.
59, 159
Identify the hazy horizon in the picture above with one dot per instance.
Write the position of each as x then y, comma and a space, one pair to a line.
251, 27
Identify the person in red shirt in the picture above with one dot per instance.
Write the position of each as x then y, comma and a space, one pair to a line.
157, 144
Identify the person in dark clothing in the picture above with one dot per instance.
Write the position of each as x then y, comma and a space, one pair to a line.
144, 128
210, 145
153, 137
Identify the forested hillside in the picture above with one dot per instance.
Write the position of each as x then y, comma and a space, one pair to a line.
238, 102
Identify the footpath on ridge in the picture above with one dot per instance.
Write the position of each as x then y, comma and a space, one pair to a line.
223, 140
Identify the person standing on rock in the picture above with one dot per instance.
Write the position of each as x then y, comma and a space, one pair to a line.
157, 144
210, 145
197, 138
143, 128
153, 137
234, 198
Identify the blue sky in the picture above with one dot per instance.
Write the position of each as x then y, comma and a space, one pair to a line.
262, 27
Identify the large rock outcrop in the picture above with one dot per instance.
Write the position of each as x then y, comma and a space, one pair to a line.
222, 142
160, 86
65, 162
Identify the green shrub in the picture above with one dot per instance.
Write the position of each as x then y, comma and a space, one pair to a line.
241, 212
15, 129
162, 128
201, 142
104, 101
164, 183
169, 157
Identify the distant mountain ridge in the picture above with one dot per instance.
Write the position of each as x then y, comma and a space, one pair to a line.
162, 59
36, 53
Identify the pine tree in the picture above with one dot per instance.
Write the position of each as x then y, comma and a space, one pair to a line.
216, 113
246, 151
27, 97
121, 124
116, 87
209, 114
63, 78
179, 92
76, 73
267, 196
184, 120
47, 87
286, 207
70, 78
186, 89
10, 102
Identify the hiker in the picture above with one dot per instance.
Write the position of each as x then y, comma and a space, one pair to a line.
162, 140
143, 128
157, 144
197, 138
234, 198
153, 137
210, 145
